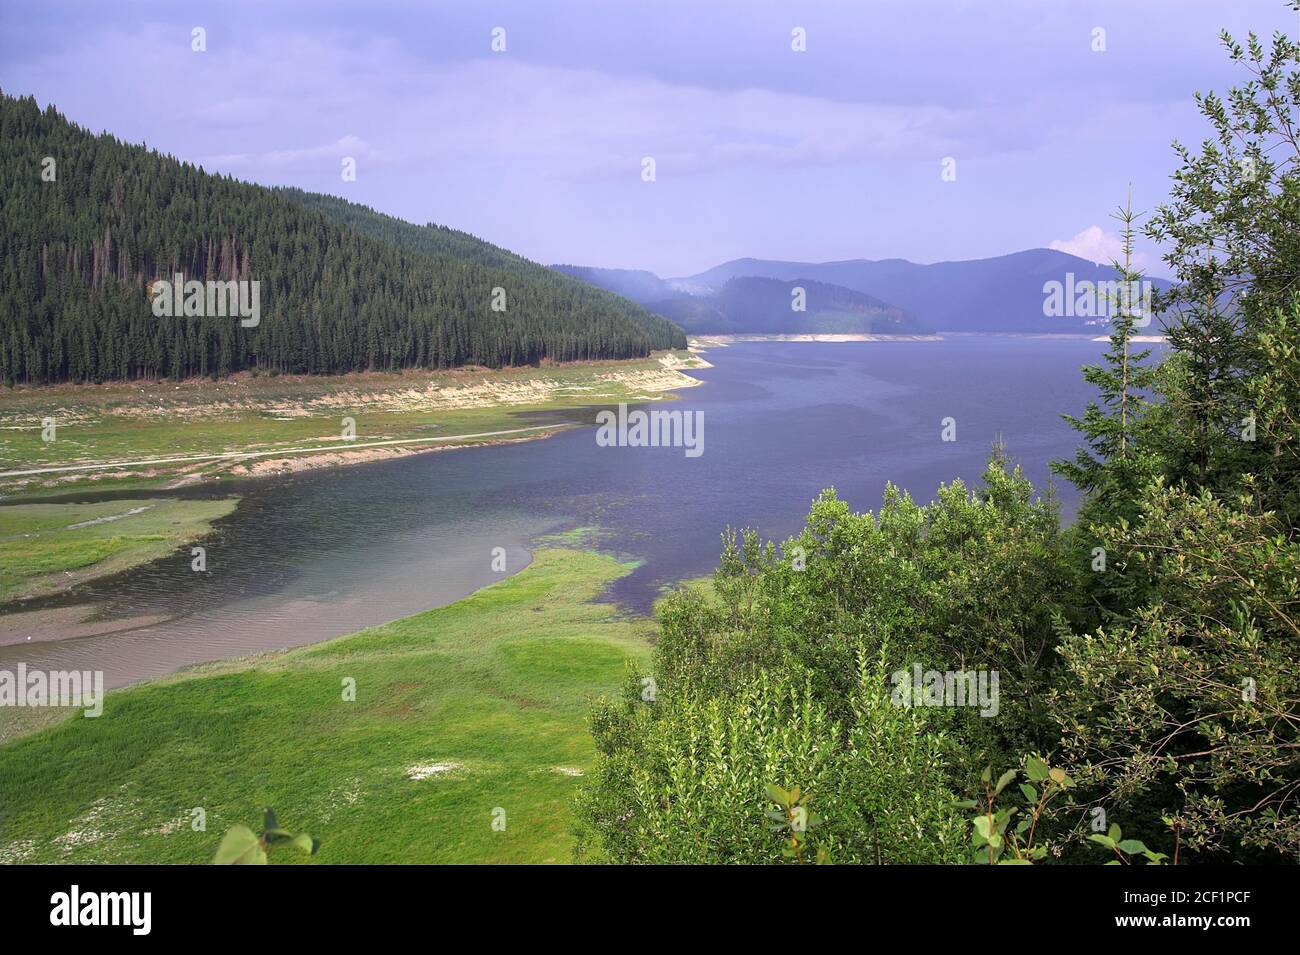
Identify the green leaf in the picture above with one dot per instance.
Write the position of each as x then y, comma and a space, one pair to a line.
1004, 780
305, 843
1132, 846
777, 795
240, 846
1030, 793
1101, 840
1036, 769
274, 837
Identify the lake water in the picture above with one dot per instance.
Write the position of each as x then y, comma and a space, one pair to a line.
320, 554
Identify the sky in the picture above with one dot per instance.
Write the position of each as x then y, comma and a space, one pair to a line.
1047, 109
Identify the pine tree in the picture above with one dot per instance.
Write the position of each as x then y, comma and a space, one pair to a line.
1115, 462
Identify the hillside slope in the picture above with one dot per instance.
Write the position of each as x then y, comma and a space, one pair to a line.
444, 242
337, 292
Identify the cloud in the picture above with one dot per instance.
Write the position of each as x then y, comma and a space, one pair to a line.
343, 146
259, 106
1097, 245
1094, 244
540, 148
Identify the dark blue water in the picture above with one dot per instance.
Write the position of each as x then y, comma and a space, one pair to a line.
319, 554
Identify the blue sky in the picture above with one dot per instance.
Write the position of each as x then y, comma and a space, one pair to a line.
831, 153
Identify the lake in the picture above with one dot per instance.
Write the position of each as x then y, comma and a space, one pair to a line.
320, 554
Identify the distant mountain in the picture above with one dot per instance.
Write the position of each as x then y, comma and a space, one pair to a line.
636, 284
339, 287
748, 305
979, 295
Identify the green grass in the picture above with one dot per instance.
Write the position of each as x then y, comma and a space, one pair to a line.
43, 551
497, 685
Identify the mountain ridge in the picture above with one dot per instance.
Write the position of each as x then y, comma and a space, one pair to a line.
1003, 293
755, 305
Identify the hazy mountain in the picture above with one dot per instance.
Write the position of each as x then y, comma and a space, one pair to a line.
997, 294
747, 305
636, 284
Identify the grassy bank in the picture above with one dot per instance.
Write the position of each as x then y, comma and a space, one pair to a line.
46, 548
459, 711
290, 422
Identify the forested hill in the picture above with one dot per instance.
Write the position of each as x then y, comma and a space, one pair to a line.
341, 288
439, 240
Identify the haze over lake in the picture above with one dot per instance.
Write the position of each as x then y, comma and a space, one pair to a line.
321, 554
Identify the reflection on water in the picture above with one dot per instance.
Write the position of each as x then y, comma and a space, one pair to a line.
319, 554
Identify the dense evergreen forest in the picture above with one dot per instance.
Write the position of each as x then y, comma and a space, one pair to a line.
91, 227
440, 241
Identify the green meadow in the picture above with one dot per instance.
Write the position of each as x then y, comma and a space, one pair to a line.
463, 715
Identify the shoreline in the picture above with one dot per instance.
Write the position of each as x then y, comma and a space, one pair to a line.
234, 421
702, 342
51, 621
49, 549
487, 693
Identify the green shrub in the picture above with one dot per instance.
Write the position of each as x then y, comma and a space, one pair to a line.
687, 780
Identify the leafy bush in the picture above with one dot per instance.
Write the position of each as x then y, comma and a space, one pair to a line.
976, 579
1193, 697
687, 780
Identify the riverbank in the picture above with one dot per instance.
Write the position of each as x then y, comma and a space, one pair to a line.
464, 715
51, 548
140, 436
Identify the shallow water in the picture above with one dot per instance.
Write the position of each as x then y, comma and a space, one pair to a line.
320, 554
